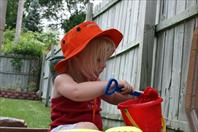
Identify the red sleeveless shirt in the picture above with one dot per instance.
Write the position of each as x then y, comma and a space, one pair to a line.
65, 111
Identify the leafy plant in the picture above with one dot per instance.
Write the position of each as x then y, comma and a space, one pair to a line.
73, 20
32, 86
31, 43
36, 10
16, 63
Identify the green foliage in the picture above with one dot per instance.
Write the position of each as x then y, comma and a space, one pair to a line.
32, 87
16, 63
32, 16
74, 6
31, 43
74, 20
77, 14
36, 10
11, 13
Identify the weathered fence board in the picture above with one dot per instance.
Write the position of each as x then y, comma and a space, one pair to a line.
172, 57
19, 72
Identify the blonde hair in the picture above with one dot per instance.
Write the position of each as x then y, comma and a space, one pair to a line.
82, 66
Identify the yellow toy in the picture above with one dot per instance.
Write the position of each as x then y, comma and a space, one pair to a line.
124, 129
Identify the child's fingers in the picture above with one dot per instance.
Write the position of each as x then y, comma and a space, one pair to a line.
126, 87
126, 90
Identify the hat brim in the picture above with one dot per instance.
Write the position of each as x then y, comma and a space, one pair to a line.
115, 35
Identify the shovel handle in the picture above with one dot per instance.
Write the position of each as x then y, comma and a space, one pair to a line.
109, 89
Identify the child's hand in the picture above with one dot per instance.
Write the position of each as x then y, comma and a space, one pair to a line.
126, 87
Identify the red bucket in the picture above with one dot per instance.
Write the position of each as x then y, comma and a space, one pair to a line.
147, 115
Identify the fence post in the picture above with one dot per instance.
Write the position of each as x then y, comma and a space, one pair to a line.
147, 32
49, 78
42, 75
89, 13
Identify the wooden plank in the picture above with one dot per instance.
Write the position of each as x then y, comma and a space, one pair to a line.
89, 12
157, 18
178, 125
22, 129
181, 6
146, 48
42, 75
122, 67
131, 14
17, 56
104, 21
130, 46
189, 27
120, 9
160, 47
140, 31
128, 66
112, 116
16, 73
176, 73
109, 15
171, 8
127, 26
190, 3
113, 16
116, 61
135, 20
167, 68
153, 63
181, 17
124, 21
177, 66
134, 68
49, 83
104, 9
163, 10
168, 62
121, 46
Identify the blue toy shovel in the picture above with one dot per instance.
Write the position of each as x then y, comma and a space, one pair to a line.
109, 90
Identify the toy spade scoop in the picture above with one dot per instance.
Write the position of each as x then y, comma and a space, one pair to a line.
109, 89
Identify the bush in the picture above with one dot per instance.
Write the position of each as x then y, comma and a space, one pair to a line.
31, 43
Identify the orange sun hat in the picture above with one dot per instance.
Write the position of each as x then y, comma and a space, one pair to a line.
78, 37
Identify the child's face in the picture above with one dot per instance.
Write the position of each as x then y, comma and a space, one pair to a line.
93, 58
91, 67
101, 64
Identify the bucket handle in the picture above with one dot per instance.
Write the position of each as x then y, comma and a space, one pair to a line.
134, 123
130, 118
164, 124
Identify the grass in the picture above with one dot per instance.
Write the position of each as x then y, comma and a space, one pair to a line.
35, 114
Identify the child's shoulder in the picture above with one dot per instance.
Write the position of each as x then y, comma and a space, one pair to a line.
63, 77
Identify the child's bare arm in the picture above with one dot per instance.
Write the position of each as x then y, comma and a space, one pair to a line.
116, 98
85, 91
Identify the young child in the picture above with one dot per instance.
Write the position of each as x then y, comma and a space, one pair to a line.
78, 91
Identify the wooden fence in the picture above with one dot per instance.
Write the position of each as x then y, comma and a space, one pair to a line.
19, 73
155, 51
132, 59
176, 21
